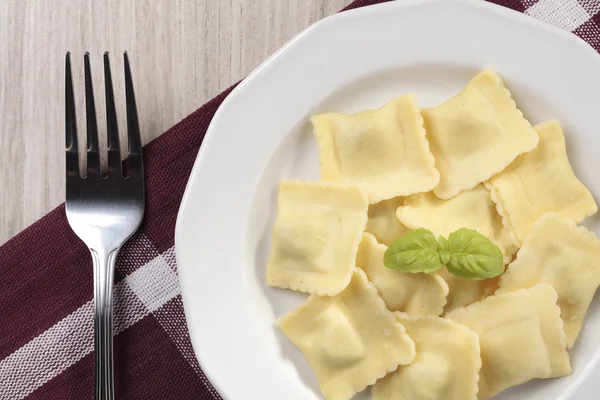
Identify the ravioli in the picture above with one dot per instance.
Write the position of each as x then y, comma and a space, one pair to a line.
412, 293
559, 253
472, 209
541, 181
521, 337
384, 152
383, 223
350, 340
446, 365
463, 292
316, 236
476, 134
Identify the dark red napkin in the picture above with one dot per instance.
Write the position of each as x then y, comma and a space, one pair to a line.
46, 324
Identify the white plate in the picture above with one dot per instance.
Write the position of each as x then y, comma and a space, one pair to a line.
348, 62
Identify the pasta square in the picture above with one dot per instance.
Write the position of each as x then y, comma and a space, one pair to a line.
476, 134
384, 152
561, 254
521, 338
383, 223
350, 340
446, 365
538, 182
411, 293
473, 209
316, 236
464, 292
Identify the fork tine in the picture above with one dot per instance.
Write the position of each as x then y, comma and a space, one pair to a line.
72, 157
133, 127
114, 148
93, 154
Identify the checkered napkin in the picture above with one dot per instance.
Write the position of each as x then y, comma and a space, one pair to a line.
46, 323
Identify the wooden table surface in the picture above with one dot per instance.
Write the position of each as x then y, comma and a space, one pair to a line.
183, 52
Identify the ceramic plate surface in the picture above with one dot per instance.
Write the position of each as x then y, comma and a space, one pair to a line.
349, 62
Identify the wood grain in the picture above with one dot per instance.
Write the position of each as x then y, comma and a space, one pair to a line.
183, 52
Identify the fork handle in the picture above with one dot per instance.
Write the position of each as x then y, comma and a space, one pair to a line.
104, 268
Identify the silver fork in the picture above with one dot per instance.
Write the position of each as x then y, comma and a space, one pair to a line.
104, 211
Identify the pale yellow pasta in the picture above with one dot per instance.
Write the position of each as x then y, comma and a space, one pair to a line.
463, 292
384, 152
383, 223
520, 335
316, 236
412, 293
476, 134
446, 366
538, 182
473, 209
350, 340
474, 161
559, 253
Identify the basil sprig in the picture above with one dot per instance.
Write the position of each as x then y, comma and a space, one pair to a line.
466, 253
417, 251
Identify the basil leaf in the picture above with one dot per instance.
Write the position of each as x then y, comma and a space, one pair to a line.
417, 251
473, 256
443, 250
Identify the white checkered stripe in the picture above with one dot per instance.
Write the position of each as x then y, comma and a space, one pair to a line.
141, 293
566, 14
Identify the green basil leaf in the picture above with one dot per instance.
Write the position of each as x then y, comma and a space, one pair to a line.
417, 251
473, 256
443, 250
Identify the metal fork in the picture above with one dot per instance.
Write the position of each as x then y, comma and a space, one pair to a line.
104, 211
